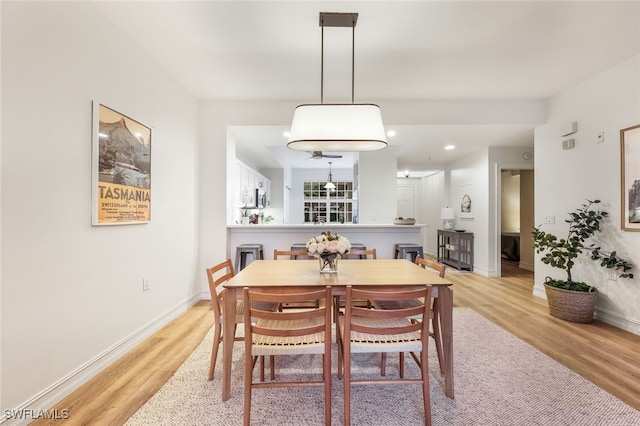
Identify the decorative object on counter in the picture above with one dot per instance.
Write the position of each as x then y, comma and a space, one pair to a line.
337, 127
247, 197
328, 248
448, 216
573, 300
244, 216
404, 221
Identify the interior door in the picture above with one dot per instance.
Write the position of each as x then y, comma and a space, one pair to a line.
407, 201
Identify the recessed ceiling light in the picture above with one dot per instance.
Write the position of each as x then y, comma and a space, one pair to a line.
286, 134
449, 147
391, 133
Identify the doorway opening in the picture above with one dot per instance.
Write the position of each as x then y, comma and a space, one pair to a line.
516, 213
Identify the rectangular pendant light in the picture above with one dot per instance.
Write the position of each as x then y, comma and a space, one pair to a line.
337, 127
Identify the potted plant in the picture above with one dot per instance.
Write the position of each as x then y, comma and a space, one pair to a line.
573, 300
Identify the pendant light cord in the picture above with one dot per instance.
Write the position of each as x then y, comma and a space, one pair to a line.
322, 65
353, 62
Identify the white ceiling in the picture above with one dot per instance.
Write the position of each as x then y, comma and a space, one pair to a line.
416, 50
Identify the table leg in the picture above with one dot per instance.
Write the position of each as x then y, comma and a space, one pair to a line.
445, 300
229, 300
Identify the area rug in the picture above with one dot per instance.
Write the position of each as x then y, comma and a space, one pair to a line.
499, 380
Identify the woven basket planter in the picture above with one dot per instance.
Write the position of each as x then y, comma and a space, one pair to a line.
574, 306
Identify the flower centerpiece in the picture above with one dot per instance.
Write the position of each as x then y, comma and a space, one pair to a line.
328, 248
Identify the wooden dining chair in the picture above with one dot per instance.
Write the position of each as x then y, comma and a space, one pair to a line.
361, 254
218, 275
298, 332
295, 255
440, 268
338, 301
363, 330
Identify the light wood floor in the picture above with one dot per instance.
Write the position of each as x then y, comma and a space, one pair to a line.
605, 355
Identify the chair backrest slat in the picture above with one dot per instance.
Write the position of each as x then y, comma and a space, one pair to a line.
320, 313
421, 311
428, 263
293, 254
365, 253
218, 275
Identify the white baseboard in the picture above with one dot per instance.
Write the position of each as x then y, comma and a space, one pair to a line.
615, 319
42, 402
526, 266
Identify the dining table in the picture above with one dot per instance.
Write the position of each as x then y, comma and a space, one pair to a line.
296, 275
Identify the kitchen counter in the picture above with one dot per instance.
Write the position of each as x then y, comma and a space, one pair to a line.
330, 225
382, 237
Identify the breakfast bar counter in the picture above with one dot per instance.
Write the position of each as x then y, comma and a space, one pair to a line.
382, 237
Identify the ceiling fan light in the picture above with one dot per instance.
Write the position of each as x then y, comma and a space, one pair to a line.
337, 127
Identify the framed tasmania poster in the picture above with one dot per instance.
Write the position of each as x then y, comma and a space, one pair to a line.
121, 168
630, 177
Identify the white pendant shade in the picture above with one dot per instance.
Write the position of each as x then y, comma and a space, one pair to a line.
330, 186
337, 127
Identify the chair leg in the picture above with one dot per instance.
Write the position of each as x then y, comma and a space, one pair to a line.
327, 385
347, 383
401, 365
383, 364
435, 323
217, 334
249, 363
426, 396
272, 366
340, 352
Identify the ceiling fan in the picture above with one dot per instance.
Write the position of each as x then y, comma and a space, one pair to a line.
318, 155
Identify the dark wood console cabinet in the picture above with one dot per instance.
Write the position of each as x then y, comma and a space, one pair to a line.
456, 249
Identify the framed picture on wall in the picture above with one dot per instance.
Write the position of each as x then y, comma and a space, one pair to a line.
121, 168
465, 201
630, 178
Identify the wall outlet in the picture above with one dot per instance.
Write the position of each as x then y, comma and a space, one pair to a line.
600, 138
550, 219
145, 284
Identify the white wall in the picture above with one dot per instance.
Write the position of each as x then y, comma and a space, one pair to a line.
433, 197
377, 190
564, 179
473, 170
72, 296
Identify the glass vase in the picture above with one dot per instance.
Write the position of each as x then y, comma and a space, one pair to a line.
328, 263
